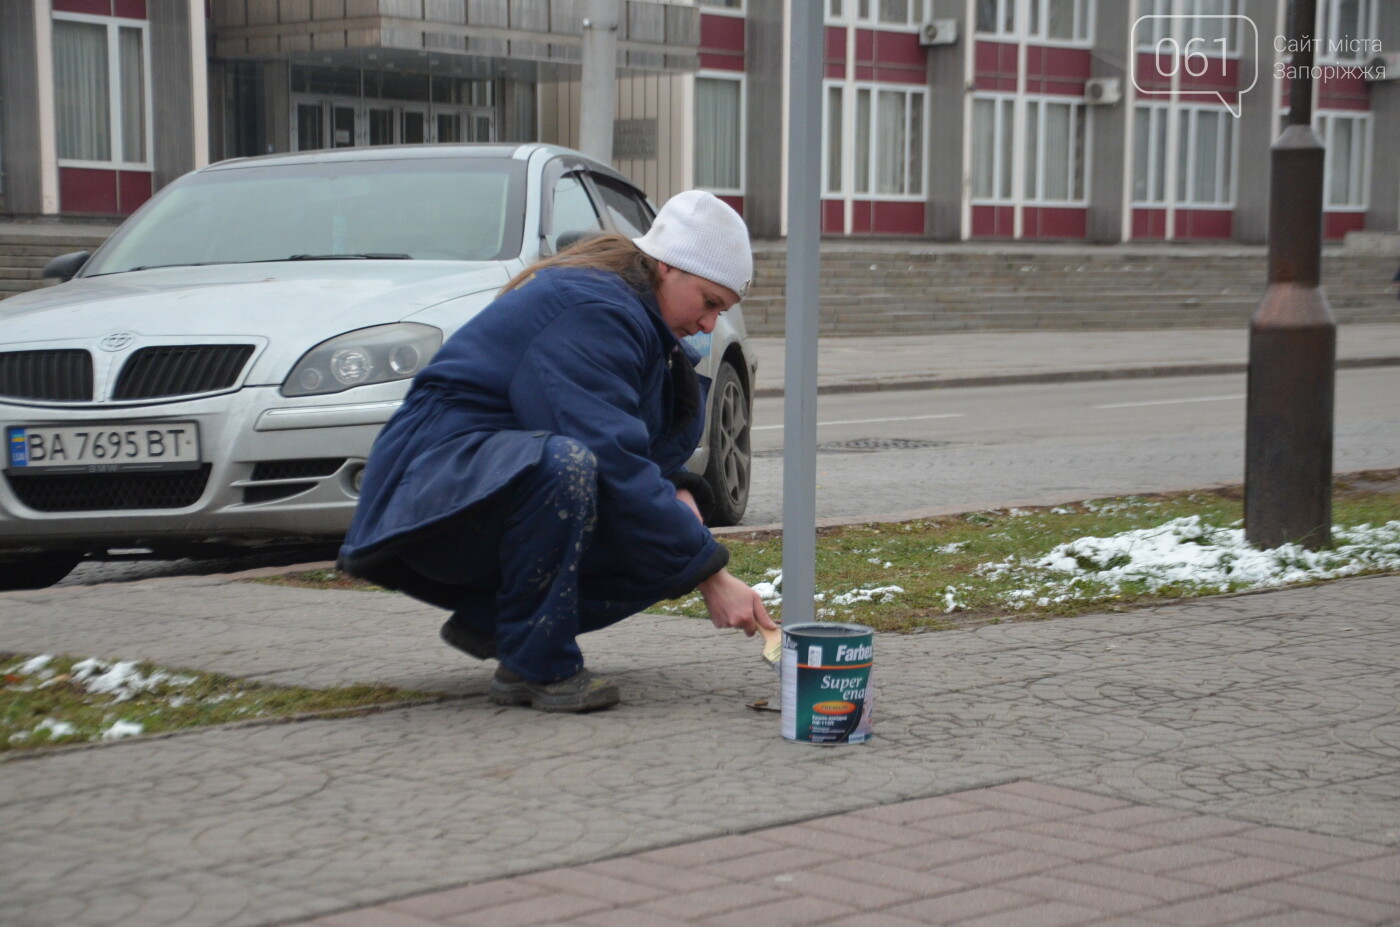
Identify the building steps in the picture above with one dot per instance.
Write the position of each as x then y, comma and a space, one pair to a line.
26, 248
895, 288
914, 287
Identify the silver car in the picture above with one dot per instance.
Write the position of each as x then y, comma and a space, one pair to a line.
213, 376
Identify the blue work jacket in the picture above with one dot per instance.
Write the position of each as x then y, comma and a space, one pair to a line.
571, 352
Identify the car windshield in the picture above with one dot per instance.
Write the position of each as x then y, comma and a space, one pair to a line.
459, 209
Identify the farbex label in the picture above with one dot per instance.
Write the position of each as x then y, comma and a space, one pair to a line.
827, 698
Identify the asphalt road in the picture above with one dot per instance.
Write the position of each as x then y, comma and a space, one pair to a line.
954, 450
901, 453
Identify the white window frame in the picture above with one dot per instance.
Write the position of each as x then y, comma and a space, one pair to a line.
1002, 30
850, 142
1005, 119
1188, 117
1079, 160
1083, 24
1328, 14
740, 140
1226, 159
1156, 116
1361, 155
845, 147
1182, 32
867, 13
1020, 28
114, 25
737, 10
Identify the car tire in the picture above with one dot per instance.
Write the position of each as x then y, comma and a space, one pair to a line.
731, 457
36, 572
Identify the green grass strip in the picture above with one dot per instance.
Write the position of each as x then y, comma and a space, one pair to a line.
49, 700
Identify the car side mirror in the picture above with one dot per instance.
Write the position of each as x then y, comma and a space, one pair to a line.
66, 266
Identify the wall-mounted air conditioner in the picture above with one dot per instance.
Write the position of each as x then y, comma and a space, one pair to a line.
939, 32
1103, 91
1385, 66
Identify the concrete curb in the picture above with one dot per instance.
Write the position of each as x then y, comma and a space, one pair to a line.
891, 384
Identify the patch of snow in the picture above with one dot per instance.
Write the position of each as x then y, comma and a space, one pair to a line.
34, 664
1191, 554
878, 594
120, 729
120, 680
56, 728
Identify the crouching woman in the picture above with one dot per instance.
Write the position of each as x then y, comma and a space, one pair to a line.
532, 482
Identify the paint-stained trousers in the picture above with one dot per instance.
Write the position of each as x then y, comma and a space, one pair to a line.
522, 554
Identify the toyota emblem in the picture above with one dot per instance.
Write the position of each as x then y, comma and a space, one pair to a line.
116, 341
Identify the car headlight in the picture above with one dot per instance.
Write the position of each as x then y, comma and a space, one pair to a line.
369, 355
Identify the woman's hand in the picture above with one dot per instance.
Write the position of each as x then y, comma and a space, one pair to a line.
685, 496
732, 604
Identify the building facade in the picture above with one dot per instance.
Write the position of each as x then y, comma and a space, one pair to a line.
1052, 120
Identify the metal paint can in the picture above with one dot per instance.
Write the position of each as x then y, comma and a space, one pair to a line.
827, 696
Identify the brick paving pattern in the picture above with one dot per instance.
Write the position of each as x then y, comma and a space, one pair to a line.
1234, 755
1021, 853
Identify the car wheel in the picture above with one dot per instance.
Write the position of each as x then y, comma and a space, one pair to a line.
731, 459
36, 572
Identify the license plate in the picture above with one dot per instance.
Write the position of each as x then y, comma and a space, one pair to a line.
103, 448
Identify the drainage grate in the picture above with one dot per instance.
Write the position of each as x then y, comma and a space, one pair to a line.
865, 446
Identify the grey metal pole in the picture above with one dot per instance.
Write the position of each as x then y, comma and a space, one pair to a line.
803, 296
1292, 338
598, 96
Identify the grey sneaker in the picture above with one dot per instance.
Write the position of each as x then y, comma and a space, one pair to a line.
468, 641
582, 691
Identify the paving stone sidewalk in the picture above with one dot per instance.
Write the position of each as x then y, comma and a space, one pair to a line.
1214, 761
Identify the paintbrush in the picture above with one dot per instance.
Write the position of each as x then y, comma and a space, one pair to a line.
772, 646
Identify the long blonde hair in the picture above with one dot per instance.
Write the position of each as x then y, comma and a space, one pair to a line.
608, 251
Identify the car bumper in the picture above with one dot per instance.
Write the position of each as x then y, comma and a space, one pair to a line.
272, 469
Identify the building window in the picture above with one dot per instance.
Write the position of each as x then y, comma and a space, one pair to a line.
1053, 144
735, 5
719, 133
1347, 137
835, 137
993, 127
1347, 30
1205, 158
1042, 20
997, 17
1061, 20
887, 141
101, 83
1204, 165
896, 14
1203, 23
1150, 156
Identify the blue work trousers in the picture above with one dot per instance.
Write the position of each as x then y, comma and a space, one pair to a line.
520, 557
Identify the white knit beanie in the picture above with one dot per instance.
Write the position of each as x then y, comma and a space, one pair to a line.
699, 233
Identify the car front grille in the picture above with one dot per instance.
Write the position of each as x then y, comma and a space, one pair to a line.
181, 370
57, 376
108, 492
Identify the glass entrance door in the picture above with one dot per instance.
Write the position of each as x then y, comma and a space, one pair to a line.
309, 127
343, 119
